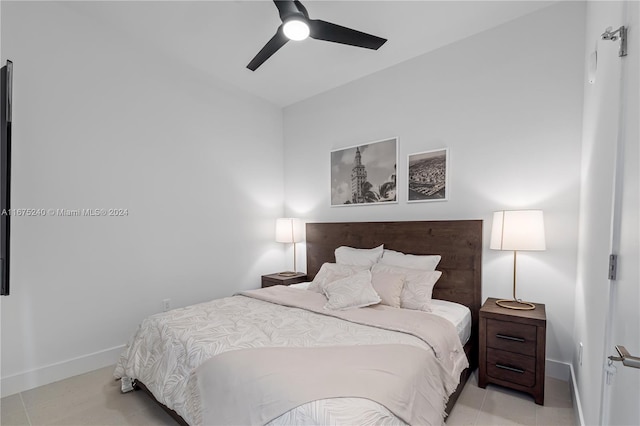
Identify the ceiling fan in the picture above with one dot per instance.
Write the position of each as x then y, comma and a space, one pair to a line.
296, 25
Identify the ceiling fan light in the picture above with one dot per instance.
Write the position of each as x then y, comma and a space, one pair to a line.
296, 29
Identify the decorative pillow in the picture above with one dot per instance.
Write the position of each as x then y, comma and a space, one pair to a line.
411, 261
361, 257
352, 292
388, 286
416, 294
418, 286
330, 272
301, 286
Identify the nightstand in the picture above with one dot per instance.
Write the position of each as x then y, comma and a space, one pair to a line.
277, 279
512, 348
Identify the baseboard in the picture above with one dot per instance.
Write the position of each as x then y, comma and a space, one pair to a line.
558, 370
577, 405
26, 380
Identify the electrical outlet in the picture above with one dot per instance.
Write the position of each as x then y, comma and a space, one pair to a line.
580, 350
166, 305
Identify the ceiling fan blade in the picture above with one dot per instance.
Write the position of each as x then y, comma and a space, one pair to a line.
322, 30
272, 46
301, 8
287, 8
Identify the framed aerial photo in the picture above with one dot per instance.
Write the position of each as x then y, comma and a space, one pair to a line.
365, 174
428, 176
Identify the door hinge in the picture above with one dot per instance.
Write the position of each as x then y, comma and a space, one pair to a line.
613, 266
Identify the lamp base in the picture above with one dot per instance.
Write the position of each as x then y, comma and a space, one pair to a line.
287, 274
515, 304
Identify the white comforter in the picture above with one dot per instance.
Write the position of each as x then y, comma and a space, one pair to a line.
168, 347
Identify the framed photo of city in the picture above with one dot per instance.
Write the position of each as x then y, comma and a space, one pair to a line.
364, 174
428, 176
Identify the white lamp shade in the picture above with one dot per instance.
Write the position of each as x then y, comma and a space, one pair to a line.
518, 230
288, 230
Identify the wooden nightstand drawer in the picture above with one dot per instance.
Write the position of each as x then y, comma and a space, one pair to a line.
514, 368
512, 337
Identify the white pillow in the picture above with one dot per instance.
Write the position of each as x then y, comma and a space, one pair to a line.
301, 286
388, 286
352, 292
411, 261
330, 272
418, 286
417, 294
361, 257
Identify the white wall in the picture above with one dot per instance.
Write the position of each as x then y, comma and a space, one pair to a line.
508, 104
602, 231
100, 122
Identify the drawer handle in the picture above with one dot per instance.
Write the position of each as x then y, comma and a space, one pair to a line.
506, 367
515, 339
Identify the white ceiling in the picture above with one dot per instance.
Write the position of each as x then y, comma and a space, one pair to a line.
219, 38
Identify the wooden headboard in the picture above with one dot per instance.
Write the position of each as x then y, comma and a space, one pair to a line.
459, 242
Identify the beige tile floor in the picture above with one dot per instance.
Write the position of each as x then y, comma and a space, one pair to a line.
95, 399
496, 405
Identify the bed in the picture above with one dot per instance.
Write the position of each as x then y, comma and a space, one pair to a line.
252, 320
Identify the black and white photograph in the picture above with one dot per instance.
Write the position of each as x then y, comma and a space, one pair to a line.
428, 176
364, 174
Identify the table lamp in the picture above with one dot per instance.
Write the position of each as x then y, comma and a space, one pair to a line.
289, 230
517, 230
